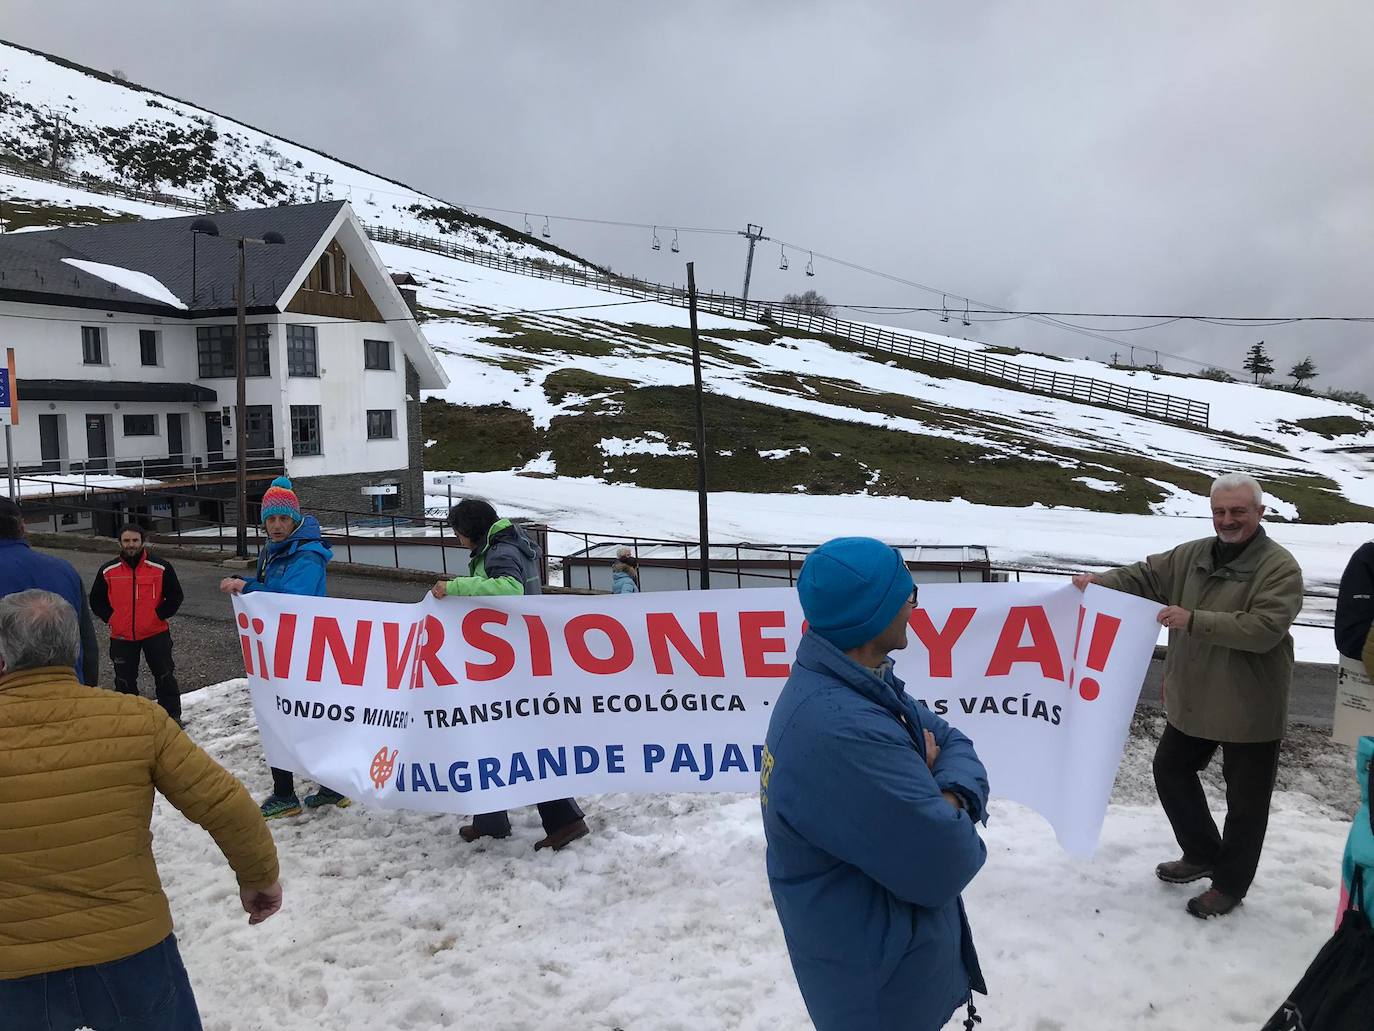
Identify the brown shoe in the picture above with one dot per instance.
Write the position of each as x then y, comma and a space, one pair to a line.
1212, 903
470, 833
1183, 871
564, 836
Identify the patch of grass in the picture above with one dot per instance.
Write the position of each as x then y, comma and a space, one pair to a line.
478, 439
27, 214
1319, 499
1330, 426
567, 383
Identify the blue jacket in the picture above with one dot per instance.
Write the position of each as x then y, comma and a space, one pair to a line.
22, 569
623, 581
866, 860
295, 565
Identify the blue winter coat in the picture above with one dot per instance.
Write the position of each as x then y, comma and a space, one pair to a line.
22, 569
866, 860
295, 565
622, 580
1359, 846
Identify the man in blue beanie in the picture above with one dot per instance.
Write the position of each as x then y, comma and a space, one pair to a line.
870, 802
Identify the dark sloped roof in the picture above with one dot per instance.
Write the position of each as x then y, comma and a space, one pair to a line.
112, 390
31, 265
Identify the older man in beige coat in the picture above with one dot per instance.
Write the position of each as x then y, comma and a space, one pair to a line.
1230, 601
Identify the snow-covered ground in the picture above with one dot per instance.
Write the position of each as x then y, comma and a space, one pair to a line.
661, 920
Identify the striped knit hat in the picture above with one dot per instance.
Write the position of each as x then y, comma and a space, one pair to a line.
280, 499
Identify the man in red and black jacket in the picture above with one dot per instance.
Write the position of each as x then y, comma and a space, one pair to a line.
136, 595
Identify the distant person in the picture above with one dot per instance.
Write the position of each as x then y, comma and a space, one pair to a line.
504, 561
870, 805
1355, 609
22, 568
1230, 599
292, 562
625, 572
136, 595
85, 928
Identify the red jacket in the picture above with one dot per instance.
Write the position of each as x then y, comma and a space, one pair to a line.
138, 599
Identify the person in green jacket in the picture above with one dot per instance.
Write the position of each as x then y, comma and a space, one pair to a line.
504, 561
1230, 600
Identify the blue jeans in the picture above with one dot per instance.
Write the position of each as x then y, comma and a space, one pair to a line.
148, 991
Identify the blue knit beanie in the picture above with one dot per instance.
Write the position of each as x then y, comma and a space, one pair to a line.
851, 588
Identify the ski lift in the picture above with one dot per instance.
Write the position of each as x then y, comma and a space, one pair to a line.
529, 229
810, 264
966, 321
545, 231
782, 257
673, 246
656, 245
944, 308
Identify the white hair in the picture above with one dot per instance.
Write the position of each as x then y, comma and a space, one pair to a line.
37, 628
1236, 481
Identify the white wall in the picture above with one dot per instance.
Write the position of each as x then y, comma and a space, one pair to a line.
344, 391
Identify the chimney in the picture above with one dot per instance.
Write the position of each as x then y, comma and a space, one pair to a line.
407, 285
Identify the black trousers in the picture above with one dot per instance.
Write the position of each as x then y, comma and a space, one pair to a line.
554, 816
158, 651
284, 783
1249, 770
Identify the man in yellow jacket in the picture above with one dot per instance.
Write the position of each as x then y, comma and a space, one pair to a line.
85, 929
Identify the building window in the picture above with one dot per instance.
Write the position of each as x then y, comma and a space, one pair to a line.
326, 273
377, 354
345, 276
301, 355
305, 430
258, 426
92, 345
147, 346
140, 425
216, 347
381, 424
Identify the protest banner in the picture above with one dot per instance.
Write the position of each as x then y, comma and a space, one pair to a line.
470, 705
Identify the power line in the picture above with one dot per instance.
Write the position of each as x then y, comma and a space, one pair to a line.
1240, 321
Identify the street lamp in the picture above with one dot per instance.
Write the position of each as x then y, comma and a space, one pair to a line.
206, 227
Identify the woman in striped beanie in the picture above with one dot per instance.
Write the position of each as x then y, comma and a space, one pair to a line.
292, 562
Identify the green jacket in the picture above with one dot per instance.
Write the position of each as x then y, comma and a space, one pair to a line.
1227, 674
506, 563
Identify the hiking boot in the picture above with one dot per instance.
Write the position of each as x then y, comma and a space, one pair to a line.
325, 797
278, 806
1212, 903
1183, 871
470, 833
564, 836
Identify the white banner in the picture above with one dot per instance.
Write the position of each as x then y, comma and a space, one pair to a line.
470, 705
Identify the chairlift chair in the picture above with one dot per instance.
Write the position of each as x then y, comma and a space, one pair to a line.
545, 231
944, 308
656, 245
810, 264
529, 229
673, 246
782, 257
966, 321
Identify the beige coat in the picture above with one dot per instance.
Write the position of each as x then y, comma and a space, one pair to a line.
1227, 674
78, 767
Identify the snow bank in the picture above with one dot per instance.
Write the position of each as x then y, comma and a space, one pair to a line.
662, 921
129, 279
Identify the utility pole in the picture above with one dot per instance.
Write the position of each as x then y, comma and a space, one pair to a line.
1116, 357
704, 536
56, 148
318, 181
753, 234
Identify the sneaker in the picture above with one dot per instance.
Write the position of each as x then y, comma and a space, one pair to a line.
564, 836
1183, 871
1212, 903
278, 806
325, 797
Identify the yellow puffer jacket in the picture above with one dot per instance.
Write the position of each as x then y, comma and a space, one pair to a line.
78, 765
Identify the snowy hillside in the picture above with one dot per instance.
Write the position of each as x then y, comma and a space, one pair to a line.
113, 130
551, 380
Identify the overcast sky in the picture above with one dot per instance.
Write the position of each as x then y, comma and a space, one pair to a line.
1120, 157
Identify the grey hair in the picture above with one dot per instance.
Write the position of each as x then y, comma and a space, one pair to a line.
37, 628
1235, 481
